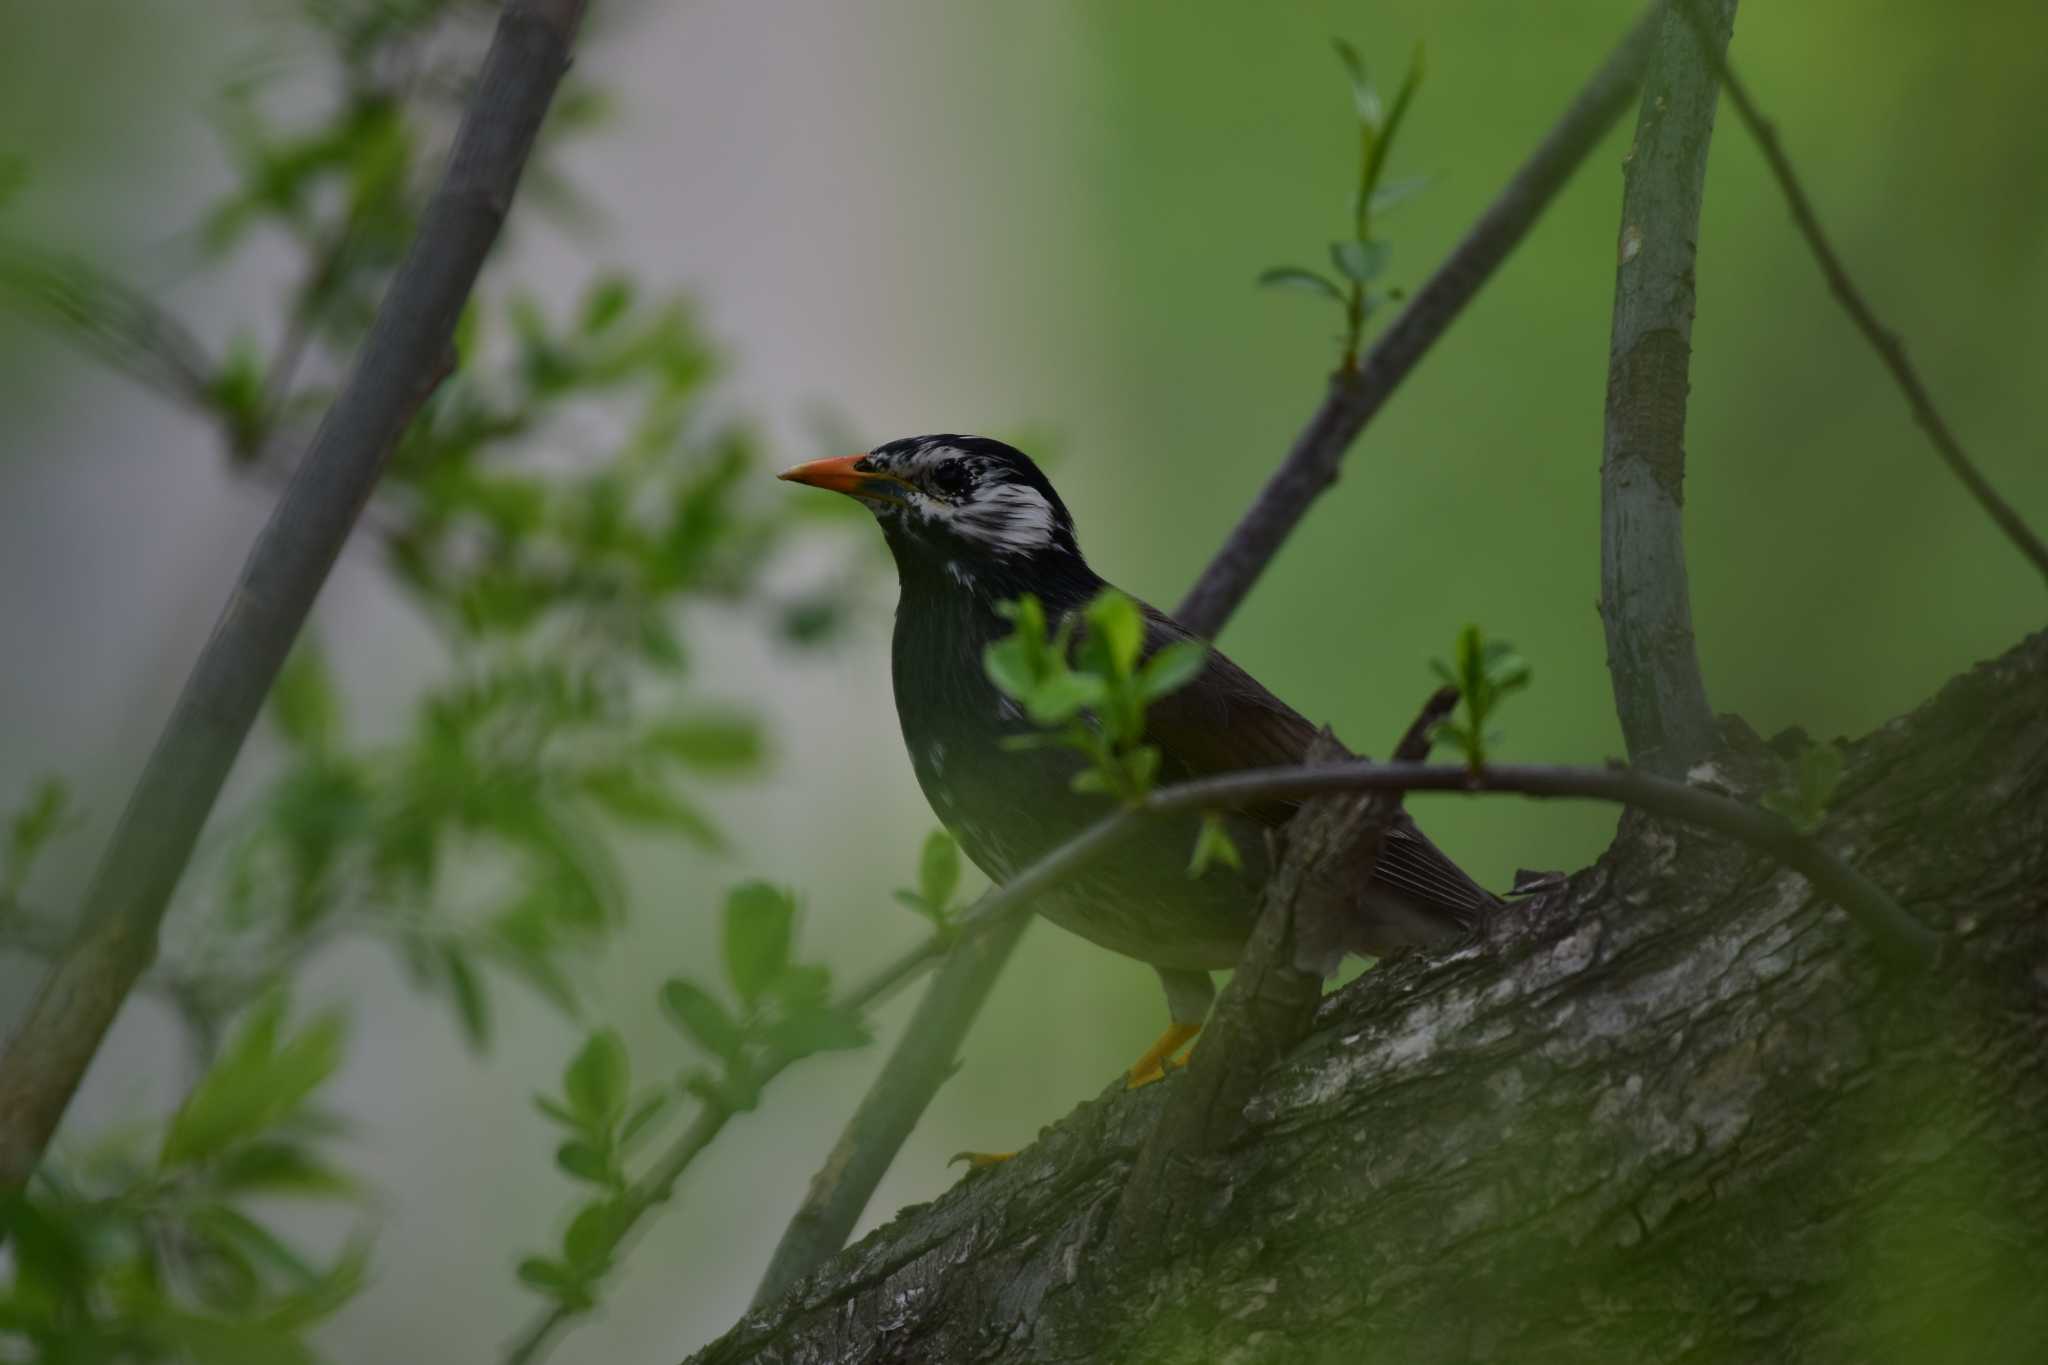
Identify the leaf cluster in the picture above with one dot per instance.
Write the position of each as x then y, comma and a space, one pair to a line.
772, 1010
118, 1254
1360, 257
1089, 693
1485, 672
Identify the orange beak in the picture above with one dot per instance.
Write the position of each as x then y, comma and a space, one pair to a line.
840, 476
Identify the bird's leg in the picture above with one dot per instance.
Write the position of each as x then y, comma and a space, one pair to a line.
1188, 996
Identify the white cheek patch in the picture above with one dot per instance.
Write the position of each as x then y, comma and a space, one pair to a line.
1009, 518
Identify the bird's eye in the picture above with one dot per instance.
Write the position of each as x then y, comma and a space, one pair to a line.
950, 479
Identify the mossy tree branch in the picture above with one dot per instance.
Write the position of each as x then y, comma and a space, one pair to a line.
1645, 601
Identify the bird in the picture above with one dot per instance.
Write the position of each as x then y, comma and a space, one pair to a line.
974, 525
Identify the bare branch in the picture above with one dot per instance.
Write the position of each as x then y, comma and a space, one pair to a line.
399, 362
925, 1055
1645, 602
1891, 351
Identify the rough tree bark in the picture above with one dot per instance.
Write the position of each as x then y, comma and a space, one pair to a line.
1675, 1110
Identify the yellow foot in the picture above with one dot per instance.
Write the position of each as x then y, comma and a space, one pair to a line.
1152, 1066
980, 1161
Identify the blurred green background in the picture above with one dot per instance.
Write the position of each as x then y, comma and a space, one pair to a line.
1047, 217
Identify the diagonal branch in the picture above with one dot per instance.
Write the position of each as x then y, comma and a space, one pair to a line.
1891, 351
399, 363
1356, 396
925, 1055
1645, 602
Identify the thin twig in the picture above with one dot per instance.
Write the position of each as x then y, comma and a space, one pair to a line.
1898, 933
1660, 694
925, 1054
1355, 396
1886, 342
399, 362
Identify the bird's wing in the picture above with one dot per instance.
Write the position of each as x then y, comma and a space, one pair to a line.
1226, 720
1223, 721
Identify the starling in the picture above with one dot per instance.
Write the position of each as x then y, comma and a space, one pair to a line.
973, 524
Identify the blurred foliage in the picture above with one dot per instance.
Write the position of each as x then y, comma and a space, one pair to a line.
771, 1011
558, 506
120, 1255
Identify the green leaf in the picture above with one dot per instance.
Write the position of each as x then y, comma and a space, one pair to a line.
1364, 98
627, 796
303, 702
1213, 846
584, 1162
760, 921
1172, 668
697, 1012
803, 985
1396, 192
1815, 776
260, 1080
1142, 764
1114, 622
596, 1080
1299, 278
811, 1031
606, 303
279, 1168
588, 1241
1360, 262
472, 1006
709, 743
1008, 663
45, 814
938, 871
1062, 697
557, 1112
555, 1280
659, 644
636, 1124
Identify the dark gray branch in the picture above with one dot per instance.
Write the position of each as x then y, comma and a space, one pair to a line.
1890, 349
1356, 396
1645, 602
399, 363
841, 1190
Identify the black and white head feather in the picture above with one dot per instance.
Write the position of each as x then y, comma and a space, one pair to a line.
970, 497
